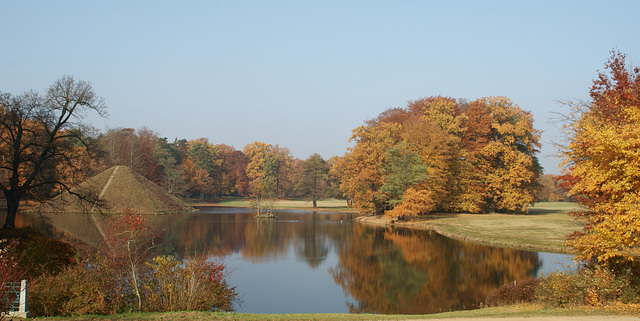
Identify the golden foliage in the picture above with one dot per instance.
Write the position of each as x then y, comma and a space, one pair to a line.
361, 169
603, 157
480, 157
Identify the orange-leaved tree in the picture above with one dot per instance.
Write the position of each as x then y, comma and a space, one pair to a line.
446, 155
362, 169
603, 162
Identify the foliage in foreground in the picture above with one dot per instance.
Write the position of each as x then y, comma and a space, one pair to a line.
590, 286
516, 293
194, 284
123, 279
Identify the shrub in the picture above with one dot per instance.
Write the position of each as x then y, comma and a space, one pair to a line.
194, 284
37, 253
165, 284
72, 292
518, 292
594, 285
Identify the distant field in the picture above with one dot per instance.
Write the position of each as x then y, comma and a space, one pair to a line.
333, 205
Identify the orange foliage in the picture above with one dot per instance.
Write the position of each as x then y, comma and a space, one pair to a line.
480, 157
361, 169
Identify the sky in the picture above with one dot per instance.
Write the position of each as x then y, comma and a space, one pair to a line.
304, 74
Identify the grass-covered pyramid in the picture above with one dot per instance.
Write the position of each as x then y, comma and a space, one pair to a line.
118, 188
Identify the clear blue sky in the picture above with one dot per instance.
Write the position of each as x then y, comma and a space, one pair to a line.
303, 74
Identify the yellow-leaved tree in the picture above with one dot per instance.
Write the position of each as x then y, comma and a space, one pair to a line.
267, 171
511, 171
603, 160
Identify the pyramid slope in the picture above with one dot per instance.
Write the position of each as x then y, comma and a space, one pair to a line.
119, 188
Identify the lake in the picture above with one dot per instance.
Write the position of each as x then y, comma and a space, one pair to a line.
315, 262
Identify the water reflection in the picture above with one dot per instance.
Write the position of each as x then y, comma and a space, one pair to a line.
321, 262
405, 271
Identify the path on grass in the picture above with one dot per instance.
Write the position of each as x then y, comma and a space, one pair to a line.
555, 318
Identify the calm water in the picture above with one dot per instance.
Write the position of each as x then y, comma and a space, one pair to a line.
304, 262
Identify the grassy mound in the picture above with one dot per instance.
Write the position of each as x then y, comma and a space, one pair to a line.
118, 188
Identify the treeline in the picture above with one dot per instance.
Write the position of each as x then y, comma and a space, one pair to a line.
201, 169
437, 154
440, 154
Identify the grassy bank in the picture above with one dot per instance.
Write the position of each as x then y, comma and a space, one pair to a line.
544, 228
328, 205
517, 311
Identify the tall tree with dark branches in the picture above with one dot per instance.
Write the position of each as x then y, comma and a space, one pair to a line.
42, 143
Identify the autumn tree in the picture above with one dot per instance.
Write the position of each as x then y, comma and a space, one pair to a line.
509, 165
268, 171
260, 183
436, 134
202, 166
282, 163
314, 180
37, 133
128, 242
133, 148
477, 156
225, 184
235, 163
602, 160
362, 169
168, 158
551, 189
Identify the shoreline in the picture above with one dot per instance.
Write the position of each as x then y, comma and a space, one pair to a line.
424, 223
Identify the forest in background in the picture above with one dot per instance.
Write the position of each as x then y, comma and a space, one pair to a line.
466, 165
461, 151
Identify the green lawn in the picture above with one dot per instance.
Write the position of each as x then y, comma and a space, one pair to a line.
544, 228
532, 311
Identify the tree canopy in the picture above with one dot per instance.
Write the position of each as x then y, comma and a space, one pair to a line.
441, 154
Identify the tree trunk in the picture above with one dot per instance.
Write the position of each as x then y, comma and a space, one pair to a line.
315, 204
12, 208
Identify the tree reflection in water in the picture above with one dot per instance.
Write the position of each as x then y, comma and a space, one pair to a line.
379, 270
412, 272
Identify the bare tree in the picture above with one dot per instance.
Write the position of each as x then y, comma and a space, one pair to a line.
42, 141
